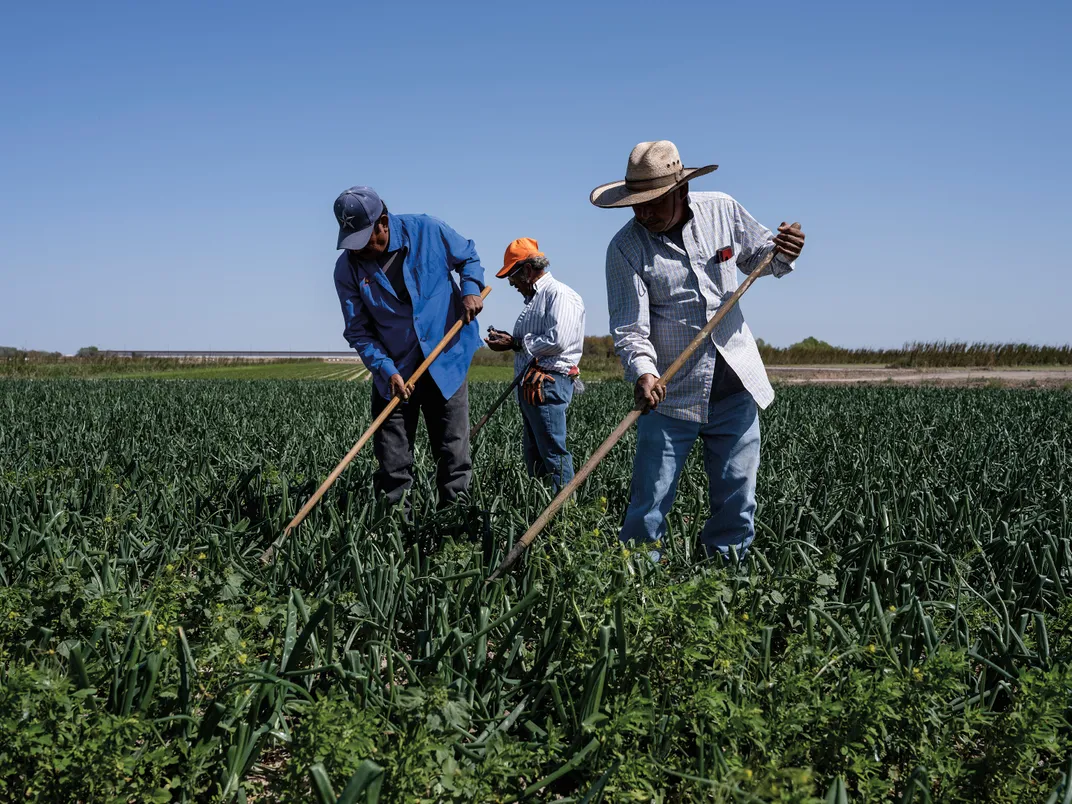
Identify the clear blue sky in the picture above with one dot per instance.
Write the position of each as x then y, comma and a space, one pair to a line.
167, 171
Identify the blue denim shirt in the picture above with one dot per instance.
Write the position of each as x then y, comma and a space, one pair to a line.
393, 337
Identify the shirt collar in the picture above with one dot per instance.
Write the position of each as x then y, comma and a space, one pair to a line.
543, 281
661, 236
397, 233
398, 239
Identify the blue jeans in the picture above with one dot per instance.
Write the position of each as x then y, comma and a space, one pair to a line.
731, 458
544, 437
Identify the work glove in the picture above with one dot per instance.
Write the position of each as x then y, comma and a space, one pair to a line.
532, 384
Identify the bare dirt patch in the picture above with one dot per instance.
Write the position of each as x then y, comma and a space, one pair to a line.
1003, 377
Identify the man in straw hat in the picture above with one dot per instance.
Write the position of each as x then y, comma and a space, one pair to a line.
398, 300
548, 338
668, 271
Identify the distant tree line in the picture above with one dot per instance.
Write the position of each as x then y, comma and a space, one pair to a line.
599, 355
920, 355
11, 353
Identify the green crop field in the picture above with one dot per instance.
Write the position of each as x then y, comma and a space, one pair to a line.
902, 630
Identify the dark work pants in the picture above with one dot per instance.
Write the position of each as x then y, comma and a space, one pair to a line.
447, 422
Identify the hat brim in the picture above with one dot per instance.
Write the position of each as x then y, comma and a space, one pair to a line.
616, 194
506, 269
355, 241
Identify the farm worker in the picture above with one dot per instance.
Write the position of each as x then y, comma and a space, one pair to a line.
668, 271
398, 299
548, 338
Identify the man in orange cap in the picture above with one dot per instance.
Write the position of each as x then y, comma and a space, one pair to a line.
548, 338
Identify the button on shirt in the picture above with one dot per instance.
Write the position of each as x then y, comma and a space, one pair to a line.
392, 331
551, 327
661, 294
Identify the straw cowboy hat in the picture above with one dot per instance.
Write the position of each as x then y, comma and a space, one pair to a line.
654, 169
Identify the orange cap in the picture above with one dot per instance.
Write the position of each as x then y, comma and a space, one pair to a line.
520, 249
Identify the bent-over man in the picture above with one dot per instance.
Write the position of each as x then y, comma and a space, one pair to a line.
398, 301
548, 338
669, 269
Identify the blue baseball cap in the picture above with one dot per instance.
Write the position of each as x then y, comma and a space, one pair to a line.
357, 211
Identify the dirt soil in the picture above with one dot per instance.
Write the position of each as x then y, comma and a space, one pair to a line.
1006, 377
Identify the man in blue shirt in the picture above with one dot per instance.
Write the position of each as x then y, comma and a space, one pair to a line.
398, 301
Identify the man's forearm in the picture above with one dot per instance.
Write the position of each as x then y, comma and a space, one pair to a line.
779, 266
637, 365
473, 285
375, 357
636, 353
541, 345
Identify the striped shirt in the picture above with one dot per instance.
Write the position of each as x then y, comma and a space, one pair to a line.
661, 295
551, 327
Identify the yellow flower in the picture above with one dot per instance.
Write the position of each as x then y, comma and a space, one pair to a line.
147, 613
242, 658
107, 520
169, 568
834, 658
892, 609
257, 609
163, 643
595, 531
201, 556
159, 626
917, 674
625, 552
115, 486
603, 501
871, 648
219, 618
745, 616
748, 773
242, 644
12, 615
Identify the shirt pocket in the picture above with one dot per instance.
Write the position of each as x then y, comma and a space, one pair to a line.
721, 268
429, 269
668, 283
435, 281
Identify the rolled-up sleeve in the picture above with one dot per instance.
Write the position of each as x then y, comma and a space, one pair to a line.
463, 259
358, 329
756, 242
630, 322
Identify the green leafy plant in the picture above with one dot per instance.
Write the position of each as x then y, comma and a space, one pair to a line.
899, 631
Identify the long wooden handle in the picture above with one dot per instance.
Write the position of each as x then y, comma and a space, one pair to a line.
266, 556
530, 535
502, 397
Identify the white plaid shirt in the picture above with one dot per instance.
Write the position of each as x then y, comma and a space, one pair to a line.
551, 327
660, 296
